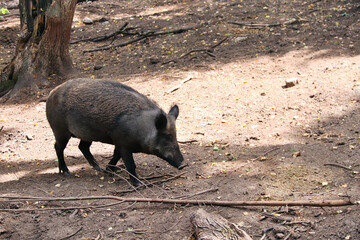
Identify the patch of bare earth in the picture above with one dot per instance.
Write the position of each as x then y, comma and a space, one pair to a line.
254, 138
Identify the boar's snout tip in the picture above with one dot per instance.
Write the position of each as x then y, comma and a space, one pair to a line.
182, 166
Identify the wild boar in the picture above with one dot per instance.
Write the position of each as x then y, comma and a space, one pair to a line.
113, 113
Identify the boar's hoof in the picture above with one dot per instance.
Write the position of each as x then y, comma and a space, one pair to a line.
110, 170
182, 166
136, 183
66, 173
98, 168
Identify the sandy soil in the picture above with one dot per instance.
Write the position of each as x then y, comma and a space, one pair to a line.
254, 139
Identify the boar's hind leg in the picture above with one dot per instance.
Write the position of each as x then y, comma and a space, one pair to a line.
130, 167
85, 149
60, 144
111, 167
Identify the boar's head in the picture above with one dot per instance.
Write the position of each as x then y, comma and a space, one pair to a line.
166, 145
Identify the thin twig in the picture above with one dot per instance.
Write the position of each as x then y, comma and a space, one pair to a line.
290, 233
149, 184
102, 38
265, 233
71, 235
198, 193
142, 36
188, 141
338, 165
115, 45
208, 50
266, 153
291, 21
173, 89
277, 218
100, 236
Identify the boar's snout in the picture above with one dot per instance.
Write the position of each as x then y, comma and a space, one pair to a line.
176, 159
182, 166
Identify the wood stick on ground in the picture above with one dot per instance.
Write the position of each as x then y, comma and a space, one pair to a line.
289, 22
290, 233
173, 89
141, 37
188, 141
102, 38
277, 218
311, 203
266, 153
152, 33
71, 235
198, 193
64, 208
115, 45
149, 184
338, 165
100, 235
208, 50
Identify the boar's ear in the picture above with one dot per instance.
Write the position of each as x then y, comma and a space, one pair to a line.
161, 121
174, 111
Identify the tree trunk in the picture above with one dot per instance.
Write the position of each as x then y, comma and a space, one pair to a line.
42, 48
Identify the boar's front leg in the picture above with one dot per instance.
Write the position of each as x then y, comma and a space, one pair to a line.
130, 167
85, 149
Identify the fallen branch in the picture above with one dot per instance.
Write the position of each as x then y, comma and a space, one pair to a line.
263, 237
175, 31
102, 38
289, 22
290, 233
141, 36
277, 218
63, 208
208, 51
188, 141
338, 165
149, 184
266, 153
311, 203
116, 45
100, 235
71, 235
179, 86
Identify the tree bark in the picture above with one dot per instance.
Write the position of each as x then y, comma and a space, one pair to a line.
42, 48
214, 227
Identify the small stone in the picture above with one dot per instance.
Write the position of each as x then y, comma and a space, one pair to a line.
296, 235
88, 20
280, 235
240, 39
296, 154
29, 137
154, 61
98, 67
291, 82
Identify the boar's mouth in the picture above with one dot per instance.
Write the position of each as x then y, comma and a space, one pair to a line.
178, 163
182, 166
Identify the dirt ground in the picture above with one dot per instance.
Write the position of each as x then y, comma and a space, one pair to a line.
253, 138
